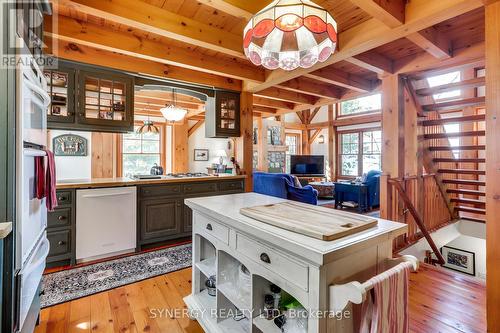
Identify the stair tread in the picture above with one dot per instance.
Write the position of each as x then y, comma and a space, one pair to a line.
471, 209
434, 122
473, 219
463, 171
454, 104
464, 182
464, 191
468, 201
471, 83
459, 160
446, 148
453, 135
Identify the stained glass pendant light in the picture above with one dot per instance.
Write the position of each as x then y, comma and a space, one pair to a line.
172, 112
288, 34
148, 126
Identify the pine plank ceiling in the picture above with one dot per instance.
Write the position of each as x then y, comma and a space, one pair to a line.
368, 47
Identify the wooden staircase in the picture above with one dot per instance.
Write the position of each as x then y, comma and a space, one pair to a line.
457, 158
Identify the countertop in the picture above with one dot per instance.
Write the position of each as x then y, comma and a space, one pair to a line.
313, 250
124, 181
5, 229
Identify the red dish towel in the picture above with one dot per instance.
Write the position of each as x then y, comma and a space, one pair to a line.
387, 309
50, 182
40, 177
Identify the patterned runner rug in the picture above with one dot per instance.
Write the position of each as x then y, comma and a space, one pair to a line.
83, 281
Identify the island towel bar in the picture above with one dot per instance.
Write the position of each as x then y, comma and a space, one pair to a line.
355, 292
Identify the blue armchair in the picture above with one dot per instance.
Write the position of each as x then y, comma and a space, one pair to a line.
366, 195
282, 185
373, 183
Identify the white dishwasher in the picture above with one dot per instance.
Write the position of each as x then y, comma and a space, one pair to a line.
105, 222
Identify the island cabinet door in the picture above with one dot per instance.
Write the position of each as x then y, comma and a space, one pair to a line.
160, 218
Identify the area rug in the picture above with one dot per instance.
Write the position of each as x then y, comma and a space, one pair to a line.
83, 281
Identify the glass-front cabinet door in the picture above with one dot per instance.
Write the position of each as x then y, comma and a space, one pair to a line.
105, 99
227, 113
61, 88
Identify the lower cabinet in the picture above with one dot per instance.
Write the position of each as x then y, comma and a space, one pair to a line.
162, 214
160, 218
61, 230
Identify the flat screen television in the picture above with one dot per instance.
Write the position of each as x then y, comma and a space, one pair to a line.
307, 165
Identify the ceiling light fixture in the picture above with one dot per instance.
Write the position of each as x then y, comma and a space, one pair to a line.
289, 34
148, 126
172, 112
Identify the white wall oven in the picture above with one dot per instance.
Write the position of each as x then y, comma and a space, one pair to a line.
32, 245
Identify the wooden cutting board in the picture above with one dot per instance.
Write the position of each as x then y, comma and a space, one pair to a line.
313, 221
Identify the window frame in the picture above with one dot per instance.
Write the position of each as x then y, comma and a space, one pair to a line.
338, 110
360, 154
163, 148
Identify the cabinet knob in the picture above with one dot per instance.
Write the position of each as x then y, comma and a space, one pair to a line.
61, 199
265, 258
61, 217
209, 227
61, 243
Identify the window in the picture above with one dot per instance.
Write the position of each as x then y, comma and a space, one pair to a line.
140, 152
360, 105
360, 152
447, 78
292, 143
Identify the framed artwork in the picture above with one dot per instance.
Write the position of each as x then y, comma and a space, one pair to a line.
459, 260
201, 154
69, 145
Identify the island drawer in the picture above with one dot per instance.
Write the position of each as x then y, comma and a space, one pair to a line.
213, 228
160, 190
197, 188
60, 217
295, 272
231, 186
60, 242
64, 198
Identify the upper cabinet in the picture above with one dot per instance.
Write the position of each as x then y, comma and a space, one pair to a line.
90, 99
223, 120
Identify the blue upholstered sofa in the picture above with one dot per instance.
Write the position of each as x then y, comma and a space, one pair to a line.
282, 185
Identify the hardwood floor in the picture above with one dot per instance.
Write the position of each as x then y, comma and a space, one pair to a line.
440, 301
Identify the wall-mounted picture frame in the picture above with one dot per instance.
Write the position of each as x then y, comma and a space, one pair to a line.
459, 260
201, 154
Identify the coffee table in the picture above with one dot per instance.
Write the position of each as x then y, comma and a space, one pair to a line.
325, 189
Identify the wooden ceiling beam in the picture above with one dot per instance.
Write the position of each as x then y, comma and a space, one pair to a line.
232, 7
264, 109
89, 55
162, 97
374, 62
420, 63
311, 87
260, 101
149, 18
434, 42
391, 13
341, 78
193, 128
105, 38
420, 14
286, 96
154, 106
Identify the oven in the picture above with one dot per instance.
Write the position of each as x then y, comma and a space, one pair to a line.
32, 246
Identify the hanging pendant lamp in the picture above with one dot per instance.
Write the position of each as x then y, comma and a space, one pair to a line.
289, 34
172, 112
148, 126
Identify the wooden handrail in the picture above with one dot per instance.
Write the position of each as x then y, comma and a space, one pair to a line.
418, 219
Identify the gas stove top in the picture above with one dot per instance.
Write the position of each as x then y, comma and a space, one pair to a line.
187, 175
173, 175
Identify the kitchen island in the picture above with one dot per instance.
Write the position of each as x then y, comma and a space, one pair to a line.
302, 267
159, 216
